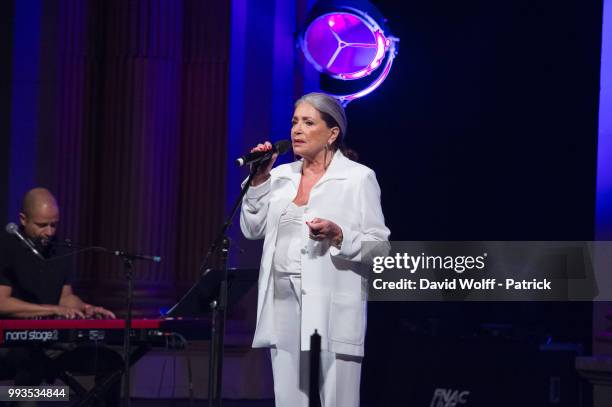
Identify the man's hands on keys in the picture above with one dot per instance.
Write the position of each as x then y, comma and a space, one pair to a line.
67, 312
89, 311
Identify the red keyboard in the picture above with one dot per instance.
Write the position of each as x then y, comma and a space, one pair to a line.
15, 332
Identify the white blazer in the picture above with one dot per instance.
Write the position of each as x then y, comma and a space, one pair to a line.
334, 288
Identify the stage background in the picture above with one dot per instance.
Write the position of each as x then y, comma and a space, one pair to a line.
132, 111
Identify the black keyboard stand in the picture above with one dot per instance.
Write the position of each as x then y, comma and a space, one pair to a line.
85, 397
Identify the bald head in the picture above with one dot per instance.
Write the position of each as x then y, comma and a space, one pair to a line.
37, 199
39, 215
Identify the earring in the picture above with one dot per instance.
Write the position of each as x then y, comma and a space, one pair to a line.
325, 164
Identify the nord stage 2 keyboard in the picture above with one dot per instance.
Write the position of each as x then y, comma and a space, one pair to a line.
19, 332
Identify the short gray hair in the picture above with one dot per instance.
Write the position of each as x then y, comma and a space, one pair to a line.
328, 106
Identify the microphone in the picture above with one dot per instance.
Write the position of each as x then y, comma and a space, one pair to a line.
119, 253
132, 256
280, 147
12, 229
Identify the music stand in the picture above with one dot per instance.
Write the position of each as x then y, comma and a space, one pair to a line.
205, 296
196, 303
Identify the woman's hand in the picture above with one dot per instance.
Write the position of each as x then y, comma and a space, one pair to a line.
263, 172
321, 229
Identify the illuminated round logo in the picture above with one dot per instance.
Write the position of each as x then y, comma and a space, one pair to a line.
345, 41
344, 45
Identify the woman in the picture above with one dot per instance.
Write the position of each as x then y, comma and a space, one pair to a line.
313, 214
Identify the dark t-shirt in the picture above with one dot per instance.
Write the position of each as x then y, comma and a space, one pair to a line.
32, 279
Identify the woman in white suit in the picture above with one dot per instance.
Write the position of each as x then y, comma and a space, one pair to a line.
313, 214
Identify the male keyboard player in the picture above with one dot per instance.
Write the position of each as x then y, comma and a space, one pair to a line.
32, 287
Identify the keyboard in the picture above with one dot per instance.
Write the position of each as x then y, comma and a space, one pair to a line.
20, 332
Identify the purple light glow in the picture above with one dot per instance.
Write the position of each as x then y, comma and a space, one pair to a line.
369, 89
349, 44
604, 145
344, 45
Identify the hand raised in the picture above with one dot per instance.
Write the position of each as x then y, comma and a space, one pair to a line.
321, 229
263, 171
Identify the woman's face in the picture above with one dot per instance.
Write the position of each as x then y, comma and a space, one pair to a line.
309, 132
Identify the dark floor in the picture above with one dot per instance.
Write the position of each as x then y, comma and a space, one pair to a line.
201, 403
186, 403
181, 403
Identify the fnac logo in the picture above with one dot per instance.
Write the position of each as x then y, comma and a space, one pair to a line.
449, 398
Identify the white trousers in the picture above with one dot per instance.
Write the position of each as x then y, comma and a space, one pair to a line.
340, 375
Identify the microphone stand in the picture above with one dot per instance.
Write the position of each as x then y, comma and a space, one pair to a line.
221, 246
128, 259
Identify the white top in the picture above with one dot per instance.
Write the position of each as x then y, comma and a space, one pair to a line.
287, 256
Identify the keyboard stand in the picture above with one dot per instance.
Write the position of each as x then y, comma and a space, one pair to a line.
85, 397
